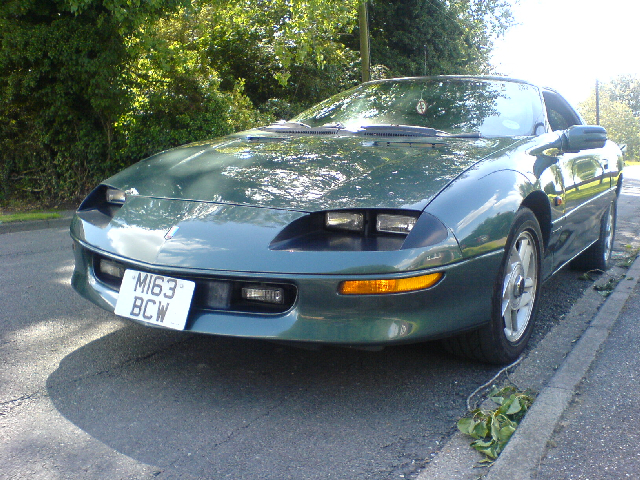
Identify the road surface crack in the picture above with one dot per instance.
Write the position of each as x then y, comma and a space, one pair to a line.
8, 406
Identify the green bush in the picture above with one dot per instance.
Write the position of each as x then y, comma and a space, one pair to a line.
87, 89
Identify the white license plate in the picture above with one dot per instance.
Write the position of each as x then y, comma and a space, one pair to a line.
155, 299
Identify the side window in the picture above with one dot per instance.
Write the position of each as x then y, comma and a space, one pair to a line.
559, 113
557, 121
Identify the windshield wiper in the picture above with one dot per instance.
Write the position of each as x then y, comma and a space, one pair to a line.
462, 135
303, 128
396, 131
409, 131
383, 131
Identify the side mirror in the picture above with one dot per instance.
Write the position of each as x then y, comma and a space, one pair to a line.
583, 137
572, 140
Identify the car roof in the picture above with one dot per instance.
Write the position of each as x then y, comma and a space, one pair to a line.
458, 77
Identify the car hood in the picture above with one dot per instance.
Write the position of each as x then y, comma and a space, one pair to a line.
207, 237
306, 173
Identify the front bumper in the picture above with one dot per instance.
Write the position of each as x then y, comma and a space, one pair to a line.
460, 301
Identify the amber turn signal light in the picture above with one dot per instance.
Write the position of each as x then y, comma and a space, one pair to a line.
382, 286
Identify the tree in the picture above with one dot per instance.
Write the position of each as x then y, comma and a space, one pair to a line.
175, 91
626, 89
291, 54
287, 53
446, 37
622, 126
88, 87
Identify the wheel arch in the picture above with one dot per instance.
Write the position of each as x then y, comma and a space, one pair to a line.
479, 208
619, 184
538, 203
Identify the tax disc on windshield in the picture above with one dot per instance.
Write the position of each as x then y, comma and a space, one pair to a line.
421, 107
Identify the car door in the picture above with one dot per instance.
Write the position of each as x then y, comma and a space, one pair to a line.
585, 197
586, 186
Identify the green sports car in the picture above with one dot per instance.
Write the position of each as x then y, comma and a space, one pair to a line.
401, 210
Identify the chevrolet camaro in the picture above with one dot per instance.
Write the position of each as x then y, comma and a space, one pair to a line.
401, 210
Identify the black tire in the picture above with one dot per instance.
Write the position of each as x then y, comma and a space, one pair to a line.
515, 298
598, 255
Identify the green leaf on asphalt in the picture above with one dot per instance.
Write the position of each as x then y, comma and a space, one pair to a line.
480, 430
495, 428
505, 434
515, 406
466, 425
482, 443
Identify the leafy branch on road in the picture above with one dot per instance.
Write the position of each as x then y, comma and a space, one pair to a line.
631, 253
606, 287
492, 429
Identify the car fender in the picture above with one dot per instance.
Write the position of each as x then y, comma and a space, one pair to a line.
479, 208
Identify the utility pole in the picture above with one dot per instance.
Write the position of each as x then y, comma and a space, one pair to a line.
425, 60
597, 102
364, 41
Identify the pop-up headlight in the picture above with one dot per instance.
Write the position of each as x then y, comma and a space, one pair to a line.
352, 221
115, 196
395, 223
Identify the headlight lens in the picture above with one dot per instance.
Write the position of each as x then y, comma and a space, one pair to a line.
112, 269
263, 294
351, 221
115, 196
395, 223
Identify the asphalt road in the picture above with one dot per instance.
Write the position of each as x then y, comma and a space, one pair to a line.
84, 395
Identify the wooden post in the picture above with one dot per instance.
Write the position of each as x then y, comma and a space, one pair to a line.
364, 41
597, 102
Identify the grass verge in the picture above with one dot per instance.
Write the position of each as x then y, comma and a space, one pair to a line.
25, 217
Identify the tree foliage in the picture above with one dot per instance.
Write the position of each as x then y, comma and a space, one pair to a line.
90, 86
61, 88
626, 89
175, 92
417, 37
618, 99
285, 52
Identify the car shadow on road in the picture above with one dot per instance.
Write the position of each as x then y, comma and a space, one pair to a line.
240, 408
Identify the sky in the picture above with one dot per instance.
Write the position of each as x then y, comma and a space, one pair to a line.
568, 44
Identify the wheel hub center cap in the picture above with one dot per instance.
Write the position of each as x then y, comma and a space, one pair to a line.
518, 283
518, 287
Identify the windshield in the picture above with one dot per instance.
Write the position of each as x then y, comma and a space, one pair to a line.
455, 105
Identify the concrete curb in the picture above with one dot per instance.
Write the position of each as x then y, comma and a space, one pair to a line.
523, 453
63, 221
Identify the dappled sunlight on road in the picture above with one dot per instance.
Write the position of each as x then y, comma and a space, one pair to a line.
54, 334
631, 181
53, 339
41, 320
64, 273
27, 447
632, 171
628, 229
